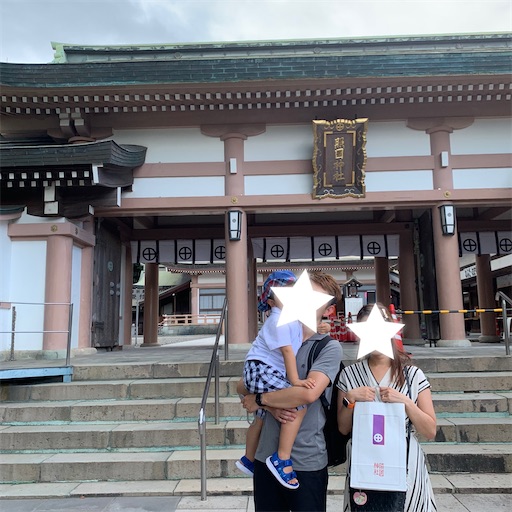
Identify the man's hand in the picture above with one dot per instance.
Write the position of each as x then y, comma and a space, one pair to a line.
249, 403
283, 415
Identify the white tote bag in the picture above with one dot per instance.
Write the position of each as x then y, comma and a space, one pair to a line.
378, 447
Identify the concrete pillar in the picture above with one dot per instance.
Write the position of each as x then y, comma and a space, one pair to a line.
408, 284
58, 290
383, 288
84, 314
150, 305
486, 299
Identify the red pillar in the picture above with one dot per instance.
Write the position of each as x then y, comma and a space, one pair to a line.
237, 278
408, 285
486, 299
446, 247
382, 285
58, 290
150, 305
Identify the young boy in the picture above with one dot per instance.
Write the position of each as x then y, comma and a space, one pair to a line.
270, 365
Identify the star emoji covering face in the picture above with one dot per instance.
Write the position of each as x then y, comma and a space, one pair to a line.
300, 302
375, 334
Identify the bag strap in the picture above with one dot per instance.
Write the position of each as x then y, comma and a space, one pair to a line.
406, 371
317, 347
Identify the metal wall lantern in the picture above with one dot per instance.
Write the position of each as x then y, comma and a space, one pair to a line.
447, 213
235, 224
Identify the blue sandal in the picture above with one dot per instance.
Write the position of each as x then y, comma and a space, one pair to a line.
276, 466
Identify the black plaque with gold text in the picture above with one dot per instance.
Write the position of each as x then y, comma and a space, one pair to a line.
339, 158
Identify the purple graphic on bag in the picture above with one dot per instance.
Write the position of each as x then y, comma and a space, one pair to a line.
378, 429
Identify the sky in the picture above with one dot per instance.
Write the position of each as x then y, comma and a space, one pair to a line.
27, 27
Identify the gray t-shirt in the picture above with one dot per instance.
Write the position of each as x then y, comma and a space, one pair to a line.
308, 453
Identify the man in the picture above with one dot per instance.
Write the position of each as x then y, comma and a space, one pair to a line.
309, 453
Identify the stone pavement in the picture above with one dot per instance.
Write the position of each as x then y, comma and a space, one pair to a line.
445, 503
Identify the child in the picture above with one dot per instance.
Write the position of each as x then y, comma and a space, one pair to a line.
269, 365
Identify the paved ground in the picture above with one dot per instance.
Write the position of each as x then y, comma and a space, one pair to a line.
445, 503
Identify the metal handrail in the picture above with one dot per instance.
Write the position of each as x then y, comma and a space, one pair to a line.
505, 299
6, 304
201, 422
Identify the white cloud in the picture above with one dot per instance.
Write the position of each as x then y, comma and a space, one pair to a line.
28, 26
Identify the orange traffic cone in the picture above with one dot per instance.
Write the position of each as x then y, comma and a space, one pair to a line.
398, 336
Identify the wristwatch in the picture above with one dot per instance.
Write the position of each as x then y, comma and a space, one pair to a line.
257, 399
346, 402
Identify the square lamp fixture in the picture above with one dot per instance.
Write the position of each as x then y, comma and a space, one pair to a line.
447, 213
235, 224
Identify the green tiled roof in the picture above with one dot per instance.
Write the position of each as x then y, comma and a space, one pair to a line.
435, 56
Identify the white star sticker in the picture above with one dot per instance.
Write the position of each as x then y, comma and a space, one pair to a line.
375, 334
300, 302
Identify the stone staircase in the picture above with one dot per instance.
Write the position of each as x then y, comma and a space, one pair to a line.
138, 422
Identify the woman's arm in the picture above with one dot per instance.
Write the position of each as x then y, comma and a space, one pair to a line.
345, 414
422, 414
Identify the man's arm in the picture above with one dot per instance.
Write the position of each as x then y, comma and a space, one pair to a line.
290, 397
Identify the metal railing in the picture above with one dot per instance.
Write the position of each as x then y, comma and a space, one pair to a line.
12, 305
505, 299
213, 370
187, 319
503, 310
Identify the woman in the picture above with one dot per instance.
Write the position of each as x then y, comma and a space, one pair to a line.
380, 378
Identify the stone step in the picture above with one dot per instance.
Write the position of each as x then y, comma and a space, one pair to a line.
471, 382
464, 364
474, 430
185, 464
451, 391
179, 387
469, 458
184, 434
115, 410
152, 370
118, 436
234, 368
443, 485
485, 402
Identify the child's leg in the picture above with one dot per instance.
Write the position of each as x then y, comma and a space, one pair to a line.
253, 437
288, 434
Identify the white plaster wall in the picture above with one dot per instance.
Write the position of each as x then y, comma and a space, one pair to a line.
210, 279
207, 186
278, 184
75, 292
5, 285
484, 136
281, 143
296, 142
27, 284
389, 181
482, 178
176, 145
31, 219
395, 139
